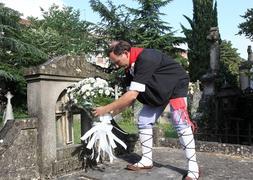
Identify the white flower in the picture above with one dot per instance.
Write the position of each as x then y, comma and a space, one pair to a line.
68, 90
87, 89
92, 80
107, 92
71, 96
87, 94
100, 91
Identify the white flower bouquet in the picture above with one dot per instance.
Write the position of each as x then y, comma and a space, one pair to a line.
90, 93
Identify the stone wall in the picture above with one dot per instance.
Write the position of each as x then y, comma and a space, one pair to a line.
68, 160
213, 147
19, 153
18, 150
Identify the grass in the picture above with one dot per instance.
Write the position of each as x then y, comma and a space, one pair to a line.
127, 122
20, 113
77, 131
168, 130
128, 126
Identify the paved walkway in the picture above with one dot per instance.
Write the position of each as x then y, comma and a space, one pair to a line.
170, 165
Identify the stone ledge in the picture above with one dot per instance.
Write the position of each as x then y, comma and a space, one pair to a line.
66, 165
68, 151
11, 130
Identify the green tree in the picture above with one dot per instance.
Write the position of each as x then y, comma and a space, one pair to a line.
115, 23
229, 64
246, 27
149, 30
15, 54
142, 26
60, 32
204, 17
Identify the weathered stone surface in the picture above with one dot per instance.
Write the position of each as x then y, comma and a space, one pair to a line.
46, 84
170, 164
67, 66
18, 159
66, 166
18, 153
68, 151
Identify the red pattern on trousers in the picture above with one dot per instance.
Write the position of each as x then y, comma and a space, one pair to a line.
180, 103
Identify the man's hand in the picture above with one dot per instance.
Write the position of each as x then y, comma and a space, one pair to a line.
99, 111
118, 105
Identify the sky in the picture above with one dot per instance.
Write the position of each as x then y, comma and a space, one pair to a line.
229, 12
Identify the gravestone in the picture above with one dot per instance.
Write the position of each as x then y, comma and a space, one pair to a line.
8, 113
46, 85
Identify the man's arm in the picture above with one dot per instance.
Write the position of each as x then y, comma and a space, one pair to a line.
118, 105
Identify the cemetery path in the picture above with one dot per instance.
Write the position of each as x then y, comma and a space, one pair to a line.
170, 164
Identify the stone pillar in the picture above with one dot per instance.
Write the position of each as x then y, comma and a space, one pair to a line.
214, 37
245, 72
208, 80
250, 60
250, 54
42, 94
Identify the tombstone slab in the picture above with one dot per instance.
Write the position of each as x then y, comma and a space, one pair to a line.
46, 82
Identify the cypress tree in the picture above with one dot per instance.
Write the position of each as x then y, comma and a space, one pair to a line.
204, 17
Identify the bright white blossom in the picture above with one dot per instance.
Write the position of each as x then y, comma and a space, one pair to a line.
100, 91
89, 92
107, 92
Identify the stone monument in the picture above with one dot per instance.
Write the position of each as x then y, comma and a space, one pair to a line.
46, 86
207, 105
208, 80
246, 83
8, 113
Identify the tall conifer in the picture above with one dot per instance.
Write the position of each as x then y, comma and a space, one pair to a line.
204, 17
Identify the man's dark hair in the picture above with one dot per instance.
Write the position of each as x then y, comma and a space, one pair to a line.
118, 47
